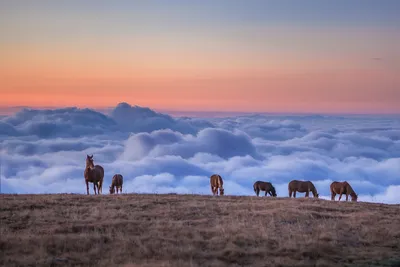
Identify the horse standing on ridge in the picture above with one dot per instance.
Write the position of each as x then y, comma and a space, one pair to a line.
301, 187
217, 182
264, 186
116, 182
93, 174
342, 188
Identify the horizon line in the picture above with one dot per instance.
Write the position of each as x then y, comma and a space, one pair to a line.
8, 110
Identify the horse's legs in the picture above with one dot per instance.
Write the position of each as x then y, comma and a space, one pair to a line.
87, 187
94, 188
341, 193
307, 193
347, 197
266, 192
290, 193
294, 193
333, 196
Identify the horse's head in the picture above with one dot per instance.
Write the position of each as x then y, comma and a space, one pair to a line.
221, 191
316, 195
112, 191
354, 197
89, 161
273, 191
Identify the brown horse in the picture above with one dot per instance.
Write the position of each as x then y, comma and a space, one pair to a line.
301, 187
264, 186
216, 182
93, 174
116, 182
342, 188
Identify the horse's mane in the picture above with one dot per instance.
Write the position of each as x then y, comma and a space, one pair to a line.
273, 189
351, 190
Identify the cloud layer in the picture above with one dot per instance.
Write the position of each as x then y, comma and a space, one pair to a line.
43, 151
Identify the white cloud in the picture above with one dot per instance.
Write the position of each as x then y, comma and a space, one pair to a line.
219, 142
44, 152
390, 196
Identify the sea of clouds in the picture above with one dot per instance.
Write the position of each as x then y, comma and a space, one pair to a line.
44, 151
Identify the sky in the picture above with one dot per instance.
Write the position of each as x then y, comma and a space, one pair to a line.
243, 56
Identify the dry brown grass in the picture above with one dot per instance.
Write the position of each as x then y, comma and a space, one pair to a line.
193, 230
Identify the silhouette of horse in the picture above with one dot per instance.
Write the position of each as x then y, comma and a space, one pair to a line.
264, 186
93, 174
216, 182
116, 182
342, 188
301, 187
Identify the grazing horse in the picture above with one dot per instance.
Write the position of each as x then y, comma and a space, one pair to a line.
301, 187
264, 186
342, 188
93, 174
216, 182
116, 182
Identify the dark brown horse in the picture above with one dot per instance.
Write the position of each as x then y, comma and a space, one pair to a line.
216, 183
116, 182
342, 188
264, 186
93, 174
302, 187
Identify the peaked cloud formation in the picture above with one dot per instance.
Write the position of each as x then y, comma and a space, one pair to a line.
43, 151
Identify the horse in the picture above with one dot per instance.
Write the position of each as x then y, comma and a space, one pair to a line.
301, 187
93, 174
116, 182
264, 186
342, 188
217, 182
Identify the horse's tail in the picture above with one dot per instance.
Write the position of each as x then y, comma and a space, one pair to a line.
273, 190
255, 187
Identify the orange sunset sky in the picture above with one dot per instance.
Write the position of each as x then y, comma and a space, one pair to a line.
256, 56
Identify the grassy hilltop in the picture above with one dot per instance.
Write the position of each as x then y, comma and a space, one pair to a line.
194, 230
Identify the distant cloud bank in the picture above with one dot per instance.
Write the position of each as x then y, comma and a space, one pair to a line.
43, 151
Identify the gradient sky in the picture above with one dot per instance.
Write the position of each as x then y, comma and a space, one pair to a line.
340, 56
